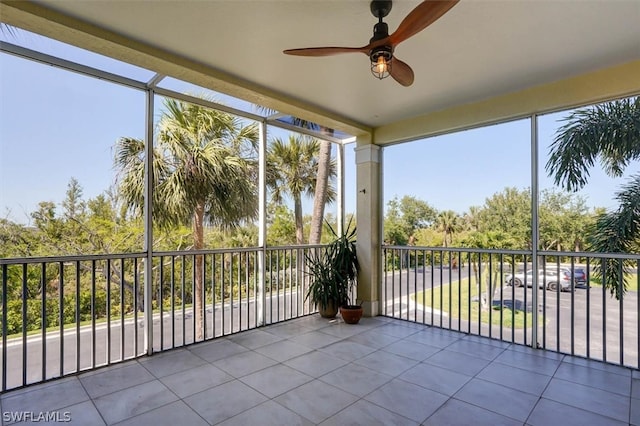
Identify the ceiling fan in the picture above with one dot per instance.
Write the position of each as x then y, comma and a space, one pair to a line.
381, 46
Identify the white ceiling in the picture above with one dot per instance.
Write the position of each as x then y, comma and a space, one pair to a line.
478, 50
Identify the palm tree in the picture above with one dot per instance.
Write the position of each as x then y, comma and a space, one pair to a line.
321, 193
322, 189
471, 219
293, 170
201, 174
487, 240
610, 133
448, 222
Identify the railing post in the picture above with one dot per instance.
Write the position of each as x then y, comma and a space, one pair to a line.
534, 232
148, 225
4, 327
262, 223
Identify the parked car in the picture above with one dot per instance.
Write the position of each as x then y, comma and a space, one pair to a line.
550, 278
580, 276
518, 279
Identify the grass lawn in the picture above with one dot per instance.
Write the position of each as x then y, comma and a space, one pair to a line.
457, 305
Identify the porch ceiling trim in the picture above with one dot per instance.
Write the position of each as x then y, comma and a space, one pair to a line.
41, 20
598, 86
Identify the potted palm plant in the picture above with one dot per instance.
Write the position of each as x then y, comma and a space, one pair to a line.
333, 272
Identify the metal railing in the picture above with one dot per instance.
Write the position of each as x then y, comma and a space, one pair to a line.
63, 315
491, 293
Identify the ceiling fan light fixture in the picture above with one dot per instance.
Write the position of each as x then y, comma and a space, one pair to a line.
381, 62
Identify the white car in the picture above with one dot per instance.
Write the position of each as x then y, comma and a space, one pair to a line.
550, 278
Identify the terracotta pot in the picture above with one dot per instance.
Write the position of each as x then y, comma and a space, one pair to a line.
351, 314
329, 311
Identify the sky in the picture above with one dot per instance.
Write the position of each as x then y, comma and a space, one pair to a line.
56, 125
459, 170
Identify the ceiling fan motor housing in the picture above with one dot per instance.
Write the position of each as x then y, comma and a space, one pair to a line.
381, 8
380, 31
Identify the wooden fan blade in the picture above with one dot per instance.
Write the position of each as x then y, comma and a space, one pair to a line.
425, 14
401, 72
325, 51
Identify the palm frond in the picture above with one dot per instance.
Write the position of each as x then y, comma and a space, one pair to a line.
609, 132
617, 232
198, 160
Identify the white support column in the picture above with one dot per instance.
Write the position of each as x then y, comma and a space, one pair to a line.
368, 214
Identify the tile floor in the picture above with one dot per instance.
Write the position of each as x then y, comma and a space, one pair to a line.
312, 371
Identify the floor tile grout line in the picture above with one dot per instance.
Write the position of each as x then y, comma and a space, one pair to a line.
453, 397
144, 412
178, 398
480, 378
153, 377
269, 398
475, 376
362, 398
238, 377
262, 403
520, 368
591, 387
397, 376
92, 401
89, 399
577, 407
358, 365
517, 366
359, 398
601, 365
595, 387
542, 397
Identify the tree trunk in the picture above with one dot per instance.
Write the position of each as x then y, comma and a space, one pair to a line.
297, 210
477, 277
320, 197
484, 302
493, 285
198, 244
477, 271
